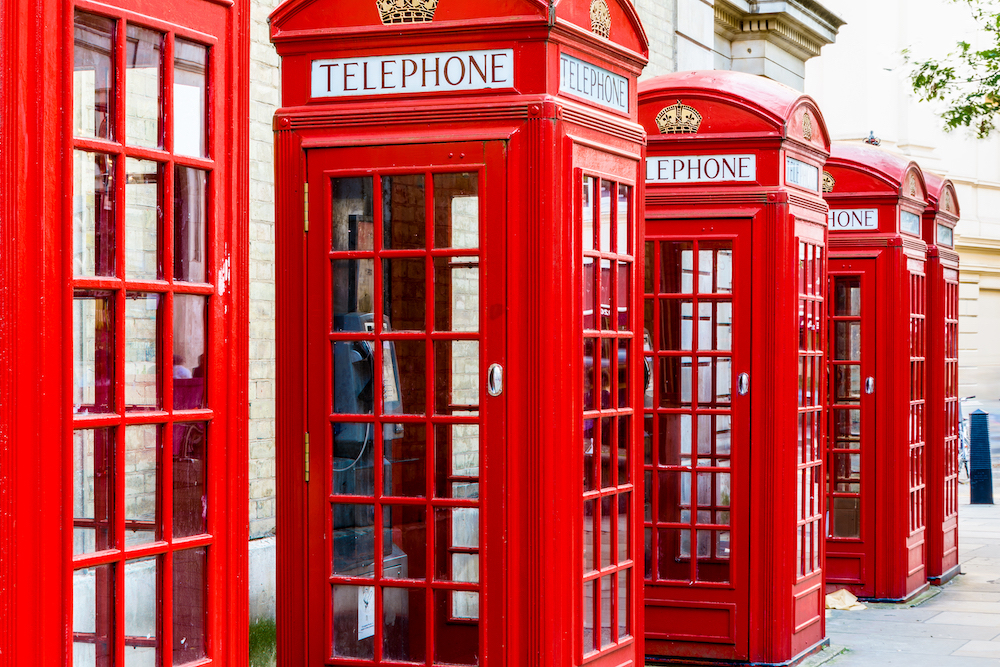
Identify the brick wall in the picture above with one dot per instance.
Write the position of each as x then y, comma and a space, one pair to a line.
264, 99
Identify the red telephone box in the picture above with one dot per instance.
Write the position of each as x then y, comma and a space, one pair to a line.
451, 177
734, 415
940, 218
876, 491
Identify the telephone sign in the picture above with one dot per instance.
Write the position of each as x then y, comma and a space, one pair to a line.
853, 218
593, 83
701, 168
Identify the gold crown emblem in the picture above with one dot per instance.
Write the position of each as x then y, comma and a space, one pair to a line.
678, 119
913, 185
406, 11
828, 182
948, 204
807, 126
600, 18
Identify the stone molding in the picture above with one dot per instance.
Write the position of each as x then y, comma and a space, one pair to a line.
801, 27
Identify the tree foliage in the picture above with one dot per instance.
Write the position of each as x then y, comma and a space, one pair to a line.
967, 81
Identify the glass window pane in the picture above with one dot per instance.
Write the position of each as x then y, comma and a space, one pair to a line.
607, 194
353, 540
607, 614
353, 622
93, 615
624, 593
93, 214
190, 192
623, 526
353, 459
847, 337
847, 383
142, 448
456, 643
589, 600
404, 617
404, 546
607, 287
589, 193
190, 97
847, 297
142, 220
846, 517
143, 64
456, 293
93, 37
589, 553
353, 294
189, 361
457, 458
93, 490
190, 492
93, 352
456, 210
676, 267
404, 212
189, 609
674, 554
675, 382
353, 377
142, 315
456, 382
456, 531
352, 224
404, 293
404, 452
623, 222
624, 298
142, 638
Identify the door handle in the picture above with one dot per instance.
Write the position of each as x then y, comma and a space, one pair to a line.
494, 380
743, 384
869, 385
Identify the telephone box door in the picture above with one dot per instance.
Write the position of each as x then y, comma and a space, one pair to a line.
405, 316
697, 430
850, 546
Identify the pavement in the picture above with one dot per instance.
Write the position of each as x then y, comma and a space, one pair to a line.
955, 625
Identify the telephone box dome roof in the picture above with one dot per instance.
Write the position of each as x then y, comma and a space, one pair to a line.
734, 104
877, 170
941, 195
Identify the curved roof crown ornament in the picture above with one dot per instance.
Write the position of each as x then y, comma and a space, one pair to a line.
678, 119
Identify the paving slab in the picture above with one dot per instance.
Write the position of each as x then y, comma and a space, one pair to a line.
904, 629
980, 649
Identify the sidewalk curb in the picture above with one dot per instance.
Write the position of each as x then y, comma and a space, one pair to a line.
825, 656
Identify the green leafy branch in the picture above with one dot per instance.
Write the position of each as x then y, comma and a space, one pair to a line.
967, 81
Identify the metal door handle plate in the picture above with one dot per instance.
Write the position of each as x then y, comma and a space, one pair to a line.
494, 380
869, 385
743, 383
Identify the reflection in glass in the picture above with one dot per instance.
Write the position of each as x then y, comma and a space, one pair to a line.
623, 607
624, 300
190, 493
674, 554
456, 294
93, 615
847, 383
190, 98
189, 609
143, 54
456, 210
676, 324
411, 367
404, 452
715, 267
623, 526
675, 440
404, 213
456, 381
190, 365
93, 352
141, 637
675, 381
93, 113
93, 492
404, 615
589, 554
349, 640
606, 289
142, 315
352, 223
93, 214
457, 457
190, 191
624, 449
847, 429
142, 219
846, 517
142, 448
675, 496
354, 458
588, 616
607, 619
405, 543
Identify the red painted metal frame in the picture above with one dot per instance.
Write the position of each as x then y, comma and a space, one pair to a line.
869, 178
942, 380
782, 618
547, 140
36, 515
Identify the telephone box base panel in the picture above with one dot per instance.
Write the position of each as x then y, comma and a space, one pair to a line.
909, 598
946, 577
708, 662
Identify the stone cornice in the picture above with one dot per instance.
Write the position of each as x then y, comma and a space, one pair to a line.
800, 26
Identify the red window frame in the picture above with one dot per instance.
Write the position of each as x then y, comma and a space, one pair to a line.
604, 484
918, 395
